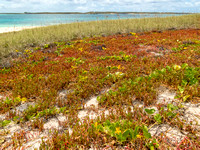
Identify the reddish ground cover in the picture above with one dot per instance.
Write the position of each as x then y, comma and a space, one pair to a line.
133, 65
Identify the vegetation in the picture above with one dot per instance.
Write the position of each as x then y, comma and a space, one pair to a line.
119, 70
9, 42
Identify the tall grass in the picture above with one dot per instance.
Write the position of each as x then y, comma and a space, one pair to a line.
9, 42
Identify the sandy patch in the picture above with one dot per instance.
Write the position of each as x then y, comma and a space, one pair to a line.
11, 29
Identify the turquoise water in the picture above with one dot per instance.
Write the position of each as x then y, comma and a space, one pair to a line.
18, 20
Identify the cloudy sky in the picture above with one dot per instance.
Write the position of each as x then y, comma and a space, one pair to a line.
99, 5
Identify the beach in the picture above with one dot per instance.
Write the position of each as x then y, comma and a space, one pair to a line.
17, 22
11, 29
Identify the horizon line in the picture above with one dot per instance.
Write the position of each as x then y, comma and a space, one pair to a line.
97, 12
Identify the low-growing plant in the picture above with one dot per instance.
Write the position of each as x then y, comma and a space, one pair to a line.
7, 104
123, 57
4, 123
125, 131
46, 46
47, 113
122, 74
4, 70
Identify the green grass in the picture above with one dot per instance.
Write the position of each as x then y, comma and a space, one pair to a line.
9, 42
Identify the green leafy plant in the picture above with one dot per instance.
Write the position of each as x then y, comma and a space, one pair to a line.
170, 112
122, 131
4, 70
58, 51
46, 46
123, 57
37, 48
150, 111
153, 144
95, 42
158, 118
4, 123
47, 112
9, 103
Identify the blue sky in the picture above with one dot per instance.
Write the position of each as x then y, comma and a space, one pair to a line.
99, 5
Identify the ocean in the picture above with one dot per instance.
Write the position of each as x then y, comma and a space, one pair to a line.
26, 20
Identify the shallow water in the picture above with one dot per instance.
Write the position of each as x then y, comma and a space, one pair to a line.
22, 20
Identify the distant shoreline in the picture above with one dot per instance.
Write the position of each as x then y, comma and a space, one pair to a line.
67, 17
99, 13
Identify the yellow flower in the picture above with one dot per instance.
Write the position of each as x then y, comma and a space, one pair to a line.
118, 131
177, 67
158, 40
24, 99
95, 124
17, 50
185, 48
197, 42
133, 33
119, 67
80, 49
103, 48
74, 67
139, 136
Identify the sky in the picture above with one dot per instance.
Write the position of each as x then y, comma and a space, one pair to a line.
20, 6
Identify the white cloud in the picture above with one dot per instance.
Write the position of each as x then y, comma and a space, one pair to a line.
98, 5
80, 1
197, 3
2, 6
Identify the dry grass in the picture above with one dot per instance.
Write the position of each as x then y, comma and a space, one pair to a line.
9, 42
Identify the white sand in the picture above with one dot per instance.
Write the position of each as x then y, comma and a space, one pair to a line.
11, 29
